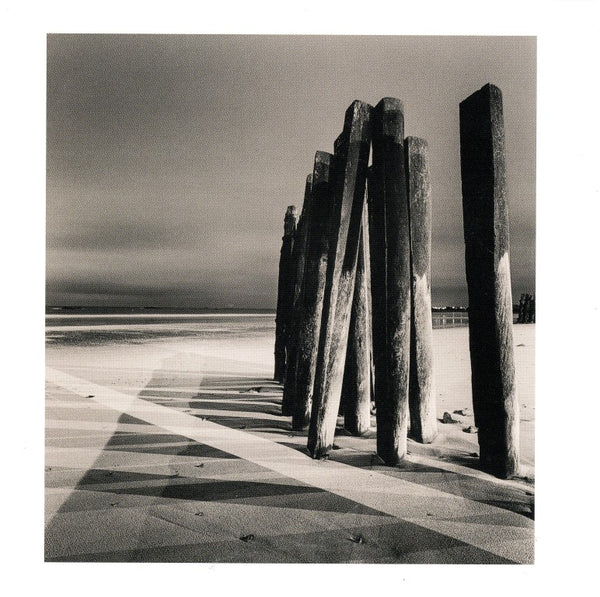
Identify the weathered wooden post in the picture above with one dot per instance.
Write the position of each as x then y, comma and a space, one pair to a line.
298, 262
422, 398
284, 292
390, 279
485, 212
356, 386
351, 159
313, 289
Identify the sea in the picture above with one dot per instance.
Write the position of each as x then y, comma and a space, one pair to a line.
98, 325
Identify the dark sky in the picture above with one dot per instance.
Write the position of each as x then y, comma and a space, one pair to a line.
171, 159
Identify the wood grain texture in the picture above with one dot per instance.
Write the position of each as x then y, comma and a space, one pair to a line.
390, 250
350, 167
422, 396
284, 292
485, 213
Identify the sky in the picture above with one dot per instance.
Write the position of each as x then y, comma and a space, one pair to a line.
171, 159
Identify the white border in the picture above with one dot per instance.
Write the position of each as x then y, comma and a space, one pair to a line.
567, 218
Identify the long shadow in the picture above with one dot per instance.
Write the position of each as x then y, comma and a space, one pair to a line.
196, 481
201, 480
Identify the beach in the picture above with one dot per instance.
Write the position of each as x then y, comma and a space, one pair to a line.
165, 442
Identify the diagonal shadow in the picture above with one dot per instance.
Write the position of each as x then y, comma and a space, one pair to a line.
239, 407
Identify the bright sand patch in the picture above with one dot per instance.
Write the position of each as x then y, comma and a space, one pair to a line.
145, 484
248, 356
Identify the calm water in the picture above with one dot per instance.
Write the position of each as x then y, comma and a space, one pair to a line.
94, 325
98, 326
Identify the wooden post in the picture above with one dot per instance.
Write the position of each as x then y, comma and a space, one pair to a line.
351, 159
298, 261
356, 387
488, 279
313, 289
390, 247
284, 292
422, 398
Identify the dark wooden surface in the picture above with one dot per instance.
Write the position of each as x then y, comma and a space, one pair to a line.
390, 272
284, 292
422, 397
351, 159
486, 231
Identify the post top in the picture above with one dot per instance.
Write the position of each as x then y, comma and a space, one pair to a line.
388, 119
339, 141
322, 167
357, 122
390, 103
289, 221
489, 90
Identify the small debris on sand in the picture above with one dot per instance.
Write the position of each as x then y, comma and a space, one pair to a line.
464, 412
199, 465
447, 418
471, 429
357, 539
198, 513
247, 538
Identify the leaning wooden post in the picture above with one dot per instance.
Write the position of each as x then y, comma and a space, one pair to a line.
356, 387
298, 262
488, 279
313, 289
351, 158
390, 286
284, 292
422, 399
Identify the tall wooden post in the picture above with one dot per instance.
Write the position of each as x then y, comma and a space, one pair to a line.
313, 289
284, 292
390, 286
422, 398
351, 159
356, 387
298, 262
485, 213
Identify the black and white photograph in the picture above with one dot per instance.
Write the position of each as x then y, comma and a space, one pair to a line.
290, 299
299, 284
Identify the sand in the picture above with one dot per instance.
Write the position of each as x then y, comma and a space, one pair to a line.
131, 418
